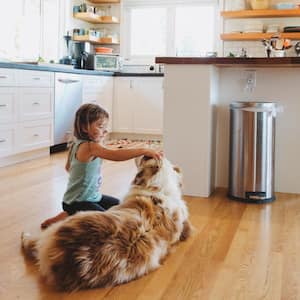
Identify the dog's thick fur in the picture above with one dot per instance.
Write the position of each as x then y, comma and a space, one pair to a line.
98, 249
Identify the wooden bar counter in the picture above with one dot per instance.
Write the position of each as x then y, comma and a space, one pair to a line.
197, 95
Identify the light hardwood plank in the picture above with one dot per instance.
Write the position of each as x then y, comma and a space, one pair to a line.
237, 250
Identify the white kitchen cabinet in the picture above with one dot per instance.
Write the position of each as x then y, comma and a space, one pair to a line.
148, 105
34, 134
8, 77
35, 103
7, 139
123, 104
26, 112
35, 78
8, 105
138, 105
99, 90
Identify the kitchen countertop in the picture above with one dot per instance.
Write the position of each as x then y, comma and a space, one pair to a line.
49, 68
232, 61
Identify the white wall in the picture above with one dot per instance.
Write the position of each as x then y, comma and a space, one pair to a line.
273, 84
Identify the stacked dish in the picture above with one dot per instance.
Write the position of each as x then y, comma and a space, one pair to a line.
106, 50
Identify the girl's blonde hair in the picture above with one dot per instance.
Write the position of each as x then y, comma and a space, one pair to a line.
85, 115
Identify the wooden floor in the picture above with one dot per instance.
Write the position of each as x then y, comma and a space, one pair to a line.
238, 251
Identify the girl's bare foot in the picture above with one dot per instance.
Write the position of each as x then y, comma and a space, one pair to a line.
61, 216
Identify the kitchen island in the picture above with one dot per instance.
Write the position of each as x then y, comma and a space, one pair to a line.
197, 94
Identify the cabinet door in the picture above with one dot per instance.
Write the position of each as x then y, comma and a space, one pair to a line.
123, 105
99, 90
8, 105
148, 105
36, 103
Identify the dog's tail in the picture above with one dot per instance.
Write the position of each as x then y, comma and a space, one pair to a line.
28, 244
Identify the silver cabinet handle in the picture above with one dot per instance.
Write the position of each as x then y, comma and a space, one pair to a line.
36, 135
36, 78
3, 76
68, 81
35, 103
2, 140
3, 105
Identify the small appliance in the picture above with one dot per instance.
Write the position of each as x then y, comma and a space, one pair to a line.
67, 59
103, 62
81, 51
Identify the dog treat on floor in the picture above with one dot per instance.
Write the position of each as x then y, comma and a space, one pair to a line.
100, 249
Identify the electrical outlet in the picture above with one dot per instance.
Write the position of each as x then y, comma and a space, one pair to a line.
250, 78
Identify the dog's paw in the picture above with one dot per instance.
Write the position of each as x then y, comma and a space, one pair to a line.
25, 238
186, 231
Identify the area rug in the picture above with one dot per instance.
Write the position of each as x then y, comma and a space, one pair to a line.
128, 143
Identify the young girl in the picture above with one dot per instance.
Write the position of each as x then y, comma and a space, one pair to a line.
84, 163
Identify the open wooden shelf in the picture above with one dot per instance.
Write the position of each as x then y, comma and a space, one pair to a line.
95, 19
258, 36
261, 13
93, 40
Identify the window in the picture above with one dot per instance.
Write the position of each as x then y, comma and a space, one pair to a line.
168, 28
194, 30
150, 38
32, 30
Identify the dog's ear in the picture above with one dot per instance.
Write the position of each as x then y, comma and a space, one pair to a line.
138, 161
139, 178
177, 169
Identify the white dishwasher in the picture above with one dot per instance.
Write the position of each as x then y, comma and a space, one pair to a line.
68, 98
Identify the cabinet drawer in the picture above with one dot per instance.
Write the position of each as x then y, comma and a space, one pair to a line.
36, 103
7, 77
35, 78
7, 140
8, 105
34, 135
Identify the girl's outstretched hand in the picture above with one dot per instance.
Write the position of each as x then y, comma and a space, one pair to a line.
153, 153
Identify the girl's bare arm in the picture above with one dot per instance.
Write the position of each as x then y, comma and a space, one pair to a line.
122, 154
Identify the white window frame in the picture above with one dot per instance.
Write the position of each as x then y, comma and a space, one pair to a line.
41, 48
171, 8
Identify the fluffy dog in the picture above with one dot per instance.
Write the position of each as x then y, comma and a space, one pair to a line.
100, 249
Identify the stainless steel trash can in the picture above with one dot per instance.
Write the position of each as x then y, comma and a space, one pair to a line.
252, 145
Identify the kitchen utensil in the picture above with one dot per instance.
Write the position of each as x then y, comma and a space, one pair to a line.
279, 44
297, 48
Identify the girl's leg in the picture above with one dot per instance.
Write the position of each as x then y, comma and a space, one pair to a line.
105, 203
108, 201
61, 216
75, 207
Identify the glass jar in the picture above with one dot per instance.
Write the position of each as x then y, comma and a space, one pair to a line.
259, 4
107, 11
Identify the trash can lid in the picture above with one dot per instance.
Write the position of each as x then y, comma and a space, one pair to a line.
260, 105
